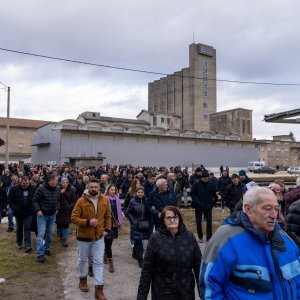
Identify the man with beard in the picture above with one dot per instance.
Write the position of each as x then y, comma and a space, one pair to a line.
92, 215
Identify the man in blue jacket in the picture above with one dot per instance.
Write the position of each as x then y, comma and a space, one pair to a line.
250, 257
160, 197
203, 197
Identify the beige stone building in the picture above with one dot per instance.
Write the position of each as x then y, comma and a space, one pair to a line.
281, 150
233, 121
190, 93
21, 132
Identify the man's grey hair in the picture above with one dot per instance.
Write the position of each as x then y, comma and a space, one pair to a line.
255, 195
160, 181
298, 181
65, 179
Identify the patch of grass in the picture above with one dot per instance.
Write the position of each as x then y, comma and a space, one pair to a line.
14, 262
190, 219
21, 271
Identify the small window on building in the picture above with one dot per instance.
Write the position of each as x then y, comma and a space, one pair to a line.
154, 121
168, 120
162, 120
205, 88
249, 126
20, 145
244, 126
204, 105
21, 131
205, 117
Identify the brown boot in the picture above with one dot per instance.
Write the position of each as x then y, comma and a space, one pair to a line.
83, 284
105, 259
99, 295
110, 265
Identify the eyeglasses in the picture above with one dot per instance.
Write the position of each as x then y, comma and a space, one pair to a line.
174, 218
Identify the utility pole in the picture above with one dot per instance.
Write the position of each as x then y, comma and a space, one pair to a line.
7, 130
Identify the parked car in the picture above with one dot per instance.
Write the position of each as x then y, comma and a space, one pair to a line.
281, 168
293, 170
265, 169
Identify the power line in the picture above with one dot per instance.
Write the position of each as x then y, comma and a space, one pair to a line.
3, 84
145, 71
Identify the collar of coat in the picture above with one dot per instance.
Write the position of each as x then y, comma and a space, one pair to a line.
241, 219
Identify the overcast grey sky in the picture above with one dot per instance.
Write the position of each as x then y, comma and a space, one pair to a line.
255, 41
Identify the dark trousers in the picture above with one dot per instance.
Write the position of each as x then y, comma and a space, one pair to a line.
138, 249
108, 245
208, 218
24, 224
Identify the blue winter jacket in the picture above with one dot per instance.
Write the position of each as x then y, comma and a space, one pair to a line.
241, 263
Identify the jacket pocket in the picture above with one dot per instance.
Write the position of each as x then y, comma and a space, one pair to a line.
252, 278
289, 272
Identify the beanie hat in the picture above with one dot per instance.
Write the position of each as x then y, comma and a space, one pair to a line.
198, 170
204, 173
242, 173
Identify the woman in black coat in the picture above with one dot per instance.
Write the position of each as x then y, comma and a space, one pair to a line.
63, 217
171, 262
293, 222
137, 212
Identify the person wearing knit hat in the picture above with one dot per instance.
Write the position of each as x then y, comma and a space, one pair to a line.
203, 197
243, 177
196, 176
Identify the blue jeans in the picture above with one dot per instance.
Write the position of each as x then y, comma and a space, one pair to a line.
97, 250
24, 223
62, 232
10, 215
45, 225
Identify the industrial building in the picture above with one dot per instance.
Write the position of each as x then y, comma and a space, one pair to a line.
190, 93
91, 139
21, 132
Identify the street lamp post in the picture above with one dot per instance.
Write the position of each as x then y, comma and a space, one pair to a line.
7, 129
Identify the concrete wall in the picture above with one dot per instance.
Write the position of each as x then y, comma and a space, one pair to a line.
19, 142
45, 153
149, 150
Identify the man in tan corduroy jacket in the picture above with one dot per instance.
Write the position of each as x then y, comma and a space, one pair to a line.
92, 215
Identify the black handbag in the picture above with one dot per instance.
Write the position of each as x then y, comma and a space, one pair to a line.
143, 225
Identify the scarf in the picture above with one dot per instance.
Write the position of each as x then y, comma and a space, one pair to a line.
119, 209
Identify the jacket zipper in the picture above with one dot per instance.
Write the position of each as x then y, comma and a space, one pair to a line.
258, 272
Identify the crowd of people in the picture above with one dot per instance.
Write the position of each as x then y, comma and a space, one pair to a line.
255, 254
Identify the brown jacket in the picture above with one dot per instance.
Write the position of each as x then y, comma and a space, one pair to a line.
84, 210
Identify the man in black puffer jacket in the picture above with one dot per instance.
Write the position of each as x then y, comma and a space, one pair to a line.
46, 205
233, 192
20, 201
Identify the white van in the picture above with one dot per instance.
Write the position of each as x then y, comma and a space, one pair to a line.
254, 165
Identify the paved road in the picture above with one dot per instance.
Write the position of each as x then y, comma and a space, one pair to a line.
120, 285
